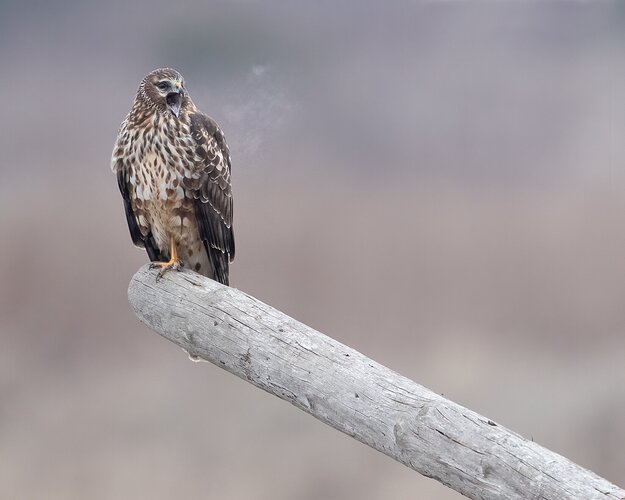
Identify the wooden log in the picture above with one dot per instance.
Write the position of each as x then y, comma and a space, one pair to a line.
352, 393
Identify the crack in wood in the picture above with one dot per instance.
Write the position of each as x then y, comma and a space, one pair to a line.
354, 394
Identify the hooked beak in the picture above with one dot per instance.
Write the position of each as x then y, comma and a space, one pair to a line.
174, 101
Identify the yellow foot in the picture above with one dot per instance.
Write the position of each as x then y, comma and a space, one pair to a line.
173, 263
166, 266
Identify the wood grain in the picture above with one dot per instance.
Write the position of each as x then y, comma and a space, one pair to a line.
352, 393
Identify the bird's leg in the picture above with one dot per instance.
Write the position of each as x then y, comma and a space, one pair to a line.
173, 263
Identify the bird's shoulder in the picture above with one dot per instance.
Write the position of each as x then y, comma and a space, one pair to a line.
121, 145
210, 142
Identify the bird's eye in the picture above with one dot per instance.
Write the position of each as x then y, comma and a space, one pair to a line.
162, 85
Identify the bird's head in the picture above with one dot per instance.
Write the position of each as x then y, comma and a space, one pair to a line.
164, 88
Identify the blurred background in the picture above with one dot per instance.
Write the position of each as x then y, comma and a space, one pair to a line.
438, 184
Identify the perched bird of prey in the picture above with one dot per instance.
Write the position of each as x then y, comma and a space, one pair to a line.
173, 170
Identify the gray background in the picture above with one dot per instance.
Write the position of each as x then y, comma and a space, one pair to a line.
439, 185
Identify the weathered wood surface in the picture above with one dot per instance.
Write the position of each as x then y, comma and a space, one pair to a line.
352, 393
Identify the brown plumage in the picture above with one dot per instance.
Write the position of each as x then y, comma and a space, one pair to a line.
173, 170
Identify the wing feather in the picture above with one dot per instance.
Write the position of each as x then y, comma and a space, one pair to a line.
213, 193
137, 236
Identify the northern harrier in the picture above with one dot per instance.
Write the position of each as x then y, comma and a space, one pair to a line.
173, 170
